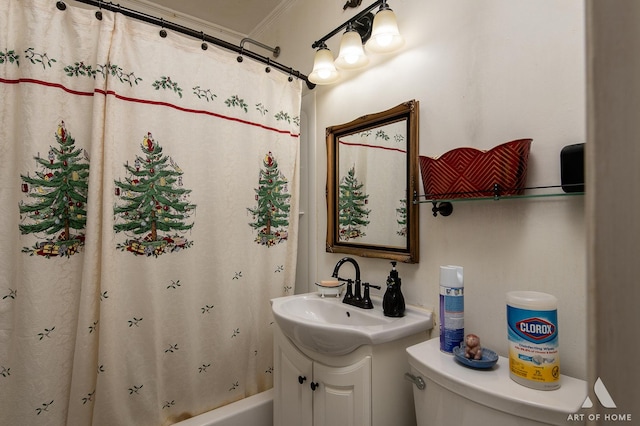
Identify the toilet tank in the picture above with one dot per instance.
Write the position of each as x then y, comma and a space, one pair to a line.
456, 395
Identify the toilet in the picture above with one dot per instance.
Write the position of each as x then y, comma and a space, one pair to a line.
456, 395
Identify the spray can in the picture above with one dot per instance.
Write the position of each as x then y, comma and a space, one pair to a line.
451, 307
532, 319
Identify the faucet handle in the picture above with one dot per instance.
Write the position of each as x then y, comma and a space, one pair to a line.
366, 300
367, 285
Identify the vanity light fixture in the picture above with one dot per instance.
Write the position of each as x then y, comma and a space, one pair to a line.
378, 34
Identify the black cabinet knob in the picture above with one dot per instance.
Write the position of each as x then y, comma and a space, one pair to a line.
301, 379
314, 385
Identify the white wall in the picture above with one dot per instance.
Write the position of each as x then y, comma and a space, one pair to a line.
485, 72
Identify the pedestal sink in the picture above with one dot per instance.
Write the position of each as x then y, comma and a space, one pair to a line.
328, 326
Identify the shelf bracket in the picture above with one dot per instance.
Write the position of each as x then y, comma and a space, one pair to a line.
445, 208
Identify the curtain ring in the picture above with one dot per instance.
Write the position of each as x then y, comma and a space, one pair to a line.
240, 58
163, 32
99, 12
290, 79
61, 5
204, 45
268, 68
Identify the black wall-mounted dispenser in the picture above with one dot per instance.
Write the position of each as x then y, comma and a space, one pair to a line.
572, 168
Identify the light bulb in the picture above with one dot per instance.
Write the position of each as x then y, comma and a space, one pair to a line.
384, 39
324, 73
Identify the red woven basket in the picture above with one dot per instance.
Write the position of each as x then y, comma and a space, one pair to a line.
470, 172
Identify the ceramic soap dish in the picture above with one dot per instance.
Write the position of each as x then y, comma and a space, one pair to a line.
489, 358
333, 288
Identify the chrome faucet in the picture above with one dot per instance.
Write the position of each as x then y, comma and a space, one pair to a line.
350, 298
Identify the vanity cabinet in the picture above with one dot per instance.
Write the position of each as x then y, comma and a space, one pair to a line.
363, 388
293, 374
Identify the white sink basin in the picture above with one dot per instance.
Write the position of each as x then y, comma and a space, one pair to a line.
328, 326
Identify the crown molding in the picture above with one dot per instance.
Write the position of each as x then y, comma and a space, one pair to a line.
275, 14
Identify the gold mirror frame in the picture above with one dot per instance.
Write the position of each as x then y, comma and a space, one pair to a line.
409, 252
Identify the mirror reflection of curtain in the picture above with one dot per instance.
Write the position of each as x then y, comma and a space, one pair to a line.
378, 158
149, 195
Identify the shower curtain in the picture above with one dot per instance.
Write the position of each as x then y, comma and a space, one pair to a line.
149, 206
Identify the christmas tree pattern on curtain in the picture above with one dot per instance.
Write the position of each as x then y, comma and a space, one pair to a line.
271, 215
352, 215
59, 191
153, 202
401, 212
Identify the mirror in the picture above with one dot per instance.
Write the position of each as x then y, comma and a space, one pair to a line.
372, 176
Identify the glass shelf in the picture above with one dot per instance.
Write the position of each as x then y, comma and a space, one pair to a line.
443, 205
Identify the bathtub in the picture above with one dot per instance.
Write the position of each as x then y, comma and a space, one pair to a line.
256, 410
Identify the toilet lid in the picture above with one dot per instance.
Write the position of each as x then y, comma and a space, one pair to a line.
494, 387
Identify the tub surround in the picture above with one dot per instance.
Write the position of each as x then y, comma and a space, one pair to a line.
256, 410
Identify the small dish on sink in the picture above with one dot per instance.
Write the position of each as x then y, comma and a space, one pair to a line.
330, 290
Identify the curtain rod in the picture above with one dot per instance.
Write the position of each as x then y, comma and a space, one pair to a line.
195, 34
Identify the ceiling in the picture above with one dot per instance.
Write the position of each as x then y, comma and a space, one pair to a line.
240, 16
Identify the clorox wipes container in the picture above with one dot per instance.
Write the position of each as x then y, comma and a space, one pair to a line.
532, 319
